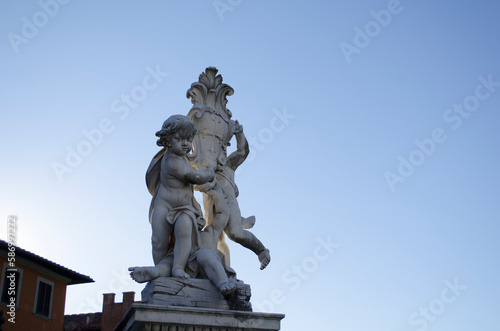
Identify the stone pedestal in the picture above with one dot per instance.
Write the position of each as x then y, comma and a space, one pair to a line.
194, 292
146, 317
175, 304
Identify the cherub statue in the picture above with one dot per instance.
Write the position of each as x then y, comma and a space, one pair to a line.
215, 130
178, 245
221, 199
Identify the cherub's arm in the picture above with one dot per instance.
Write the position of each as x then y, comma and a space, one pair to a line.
199, 177
236, 158
182, 171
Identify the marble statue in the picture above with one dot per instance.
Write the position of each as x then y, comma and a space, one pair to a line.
215, 130
179, 247
184, 243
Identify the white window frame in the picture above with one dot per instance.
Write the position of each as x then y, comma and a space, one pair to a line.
51, 283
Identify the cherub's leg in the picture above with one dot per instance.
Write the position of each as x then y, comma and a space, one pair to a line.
214, 270
161, 231
224, 248
183, 231
165, 266
245, 238
219, 210
235, 232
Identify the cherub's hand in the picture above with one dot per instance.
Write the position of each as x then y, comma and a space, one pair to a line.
200, 221
238, 128
205, 187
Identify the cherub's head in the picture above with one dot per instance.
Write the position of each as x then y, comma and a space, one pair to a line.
178, 125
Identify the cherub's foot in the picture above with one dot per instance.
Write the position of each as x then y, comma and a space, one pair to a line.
247, 222
179, 273
227, 289
143, 274
264, 258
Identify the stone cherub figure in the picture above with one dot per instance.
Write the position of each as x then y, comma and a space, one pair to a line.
215, 130
222, 203
182, 245
179, 248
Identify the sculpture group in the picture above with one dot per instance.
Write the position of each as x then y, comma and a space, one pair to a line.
186, 243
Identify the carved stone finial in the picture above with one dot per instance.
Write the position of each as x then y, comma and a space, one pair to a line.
211, 117
210, 94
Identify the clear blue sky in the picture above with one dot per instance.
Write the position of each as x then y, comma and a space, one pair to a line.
374, 131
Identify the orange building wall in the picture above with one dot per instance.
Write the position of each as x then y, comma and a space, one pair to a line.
25, 319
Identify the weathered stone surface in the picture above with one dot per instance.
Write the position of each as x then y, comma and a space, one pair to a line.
194, 292
144, 317
188, 244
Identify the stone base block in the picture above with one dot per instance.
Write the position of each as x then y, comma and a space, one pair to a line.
145, 317
193, 292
